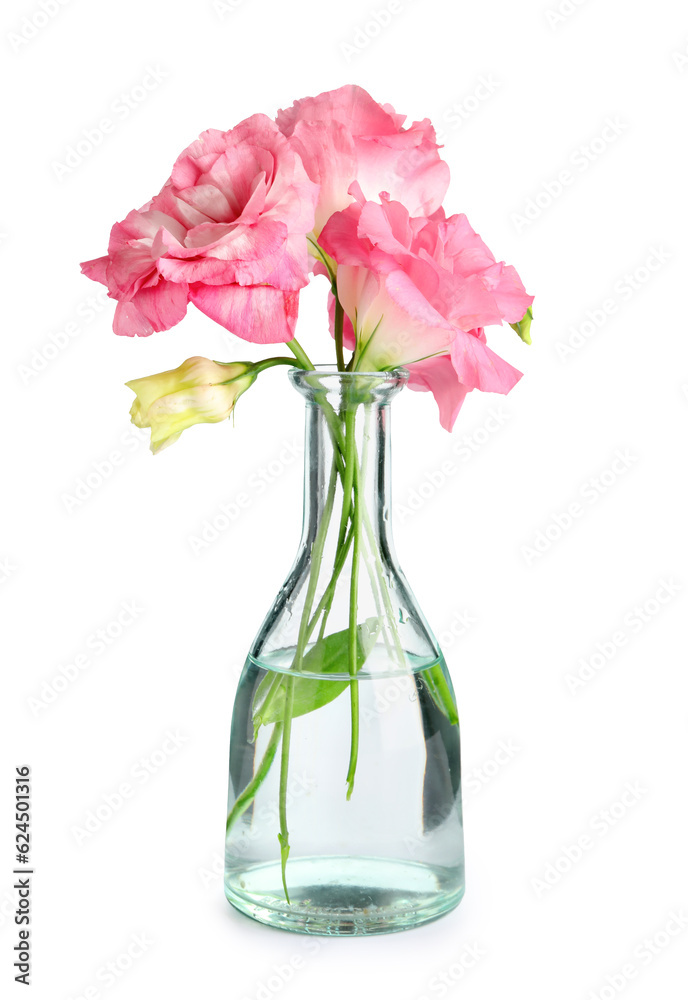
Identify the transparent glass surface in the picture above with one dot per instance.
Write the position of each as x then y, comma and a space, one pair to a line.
344, 809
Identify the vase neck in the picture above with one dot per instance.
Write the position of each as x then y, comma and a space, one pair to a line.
347, 440
345, 602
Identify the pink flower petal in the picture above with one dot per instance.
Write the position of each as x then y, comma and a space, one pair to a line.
508, 292
258, 313
341, 240
480, 368
151, 310
96, 269
246, 255
438, 376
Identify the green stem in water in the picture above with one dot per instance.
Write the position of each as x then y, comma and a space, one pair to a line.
283, 835
316, 560
382, 583
327, 408
353, 602
249, 793
325, 604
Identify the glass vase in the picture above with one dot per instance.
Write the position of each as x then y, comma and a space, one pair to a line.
344, 811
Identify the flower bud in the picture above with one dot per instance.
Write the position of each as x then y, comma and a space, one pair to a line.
199, 391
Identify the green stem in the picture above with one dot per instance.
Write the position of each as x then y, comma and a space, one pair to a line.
382, 583
283, 835
247, 796
325, 604
316, 560
318, 250
339, 333
300, 355
327, 408
261, 366
348, 480
434, 675
353, 602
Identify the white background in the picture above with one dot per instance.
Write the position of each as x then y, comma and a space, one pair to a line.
483, 497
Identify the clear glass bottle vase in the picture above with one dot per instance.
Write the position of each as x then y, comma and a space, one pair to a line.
344, 811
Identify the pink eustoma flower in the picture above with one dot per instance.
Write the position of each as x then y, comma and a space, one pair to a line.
146, 302
243, 204
417, 292
344, 136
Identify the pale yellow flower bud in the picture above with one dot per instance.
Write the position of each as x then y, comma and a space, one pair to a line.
199, 391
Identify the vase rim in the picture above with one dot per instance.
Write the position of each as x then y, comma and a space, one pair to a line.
392, 373
329, 377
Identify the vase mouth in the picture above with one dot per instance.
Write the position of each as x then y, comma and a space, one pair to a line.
358, 387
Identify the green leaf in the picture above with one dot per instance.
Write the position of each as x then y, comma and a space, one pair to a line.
328, 656
263, 696
522, 328
440, 692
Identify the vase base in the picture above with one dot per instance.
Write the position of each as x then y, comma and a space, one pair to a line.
345, 896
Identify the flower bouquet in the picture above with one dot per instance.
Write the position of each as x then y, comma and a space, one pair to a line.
344, 811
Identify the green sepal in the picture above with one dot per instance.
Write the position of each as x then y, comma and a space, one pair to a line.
522, 328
